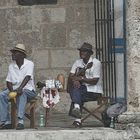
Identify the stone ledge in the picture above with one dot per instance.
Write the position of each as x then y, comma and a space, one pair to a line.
129, 117
96, 133
131, 128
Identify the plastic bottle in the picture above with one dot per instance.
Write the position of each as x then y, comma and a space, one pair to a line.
41, 118
41, 122
112, 125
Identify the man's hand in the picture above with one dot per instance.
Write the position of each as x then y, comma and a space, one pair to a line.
76, 84
76, 81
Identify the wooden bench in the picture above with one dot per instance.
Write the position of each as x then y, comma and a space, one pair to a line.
30, 115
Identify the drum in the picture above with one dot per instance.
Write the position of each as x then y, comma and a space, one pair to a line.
61, 78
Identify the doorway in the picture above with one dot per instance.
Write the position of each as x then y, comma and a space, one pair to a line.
110, 40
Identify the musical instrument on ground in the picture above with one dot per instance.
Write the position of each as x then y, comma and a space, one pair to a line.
61, 78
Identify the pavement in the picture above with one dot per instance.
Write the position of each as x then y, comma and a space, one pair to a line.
63, 120
60, 127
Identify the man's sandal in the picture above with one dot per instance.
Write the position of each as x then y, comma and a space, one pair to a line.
76, 112
77, 124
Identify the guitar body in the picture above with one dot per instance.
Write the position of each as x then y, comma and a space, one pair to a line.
79, 72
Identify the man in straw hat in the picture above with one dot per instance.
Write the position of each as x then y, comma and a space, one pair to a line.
84, 80
19, 79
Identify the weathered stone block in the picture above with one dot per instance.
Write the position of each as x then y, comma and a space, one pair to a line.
88, 34
36, 17
8, 3
75, 36
79, 34
46, 15
70, 14
30, 39
19, 19
58, 15
41, 59
83, 14
54, 35
3, 70
53, 15
4, 20
129, 117
63, 58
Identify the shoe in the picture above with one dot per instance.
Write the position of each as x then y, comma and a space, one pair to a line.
76, 113
20, 126
6, 126
77, 124
1, 125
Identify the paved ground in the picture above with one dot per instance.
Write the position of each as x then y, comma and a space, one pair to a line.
63, 120
60, 128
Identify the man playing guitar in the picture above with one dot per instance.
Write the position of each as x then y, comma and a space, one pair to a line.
84, 80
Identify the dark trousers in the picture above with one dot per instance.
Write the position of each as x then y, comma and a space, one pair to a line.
80, 95
76, 94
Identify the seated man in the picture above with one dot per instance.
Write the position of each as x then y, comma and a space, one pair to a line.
20, 78
84, 80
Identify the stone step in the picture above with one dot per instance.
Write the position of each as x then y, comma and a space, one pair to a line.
57, 133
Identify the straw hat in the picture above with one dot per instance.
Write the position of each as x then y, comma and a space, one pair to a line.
20, 48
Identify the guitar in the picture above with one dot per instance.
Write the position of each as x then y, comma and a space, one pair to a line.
78, 72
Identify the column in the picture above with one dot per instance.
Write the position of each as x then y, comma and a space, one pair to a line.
132, 115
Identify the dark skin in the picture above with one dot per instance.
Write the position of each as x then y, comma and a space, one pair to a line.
18, 57
85, 55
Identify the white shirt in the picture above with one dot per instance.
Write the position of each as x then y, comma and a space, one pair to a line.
94, 72
16, 75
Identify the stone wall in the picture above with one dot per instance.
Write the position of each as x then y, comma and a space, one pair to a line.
132, 116
51, 34
133, 56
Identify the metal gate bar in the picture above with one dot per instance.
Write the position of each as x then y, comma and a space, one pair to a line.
104, 39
